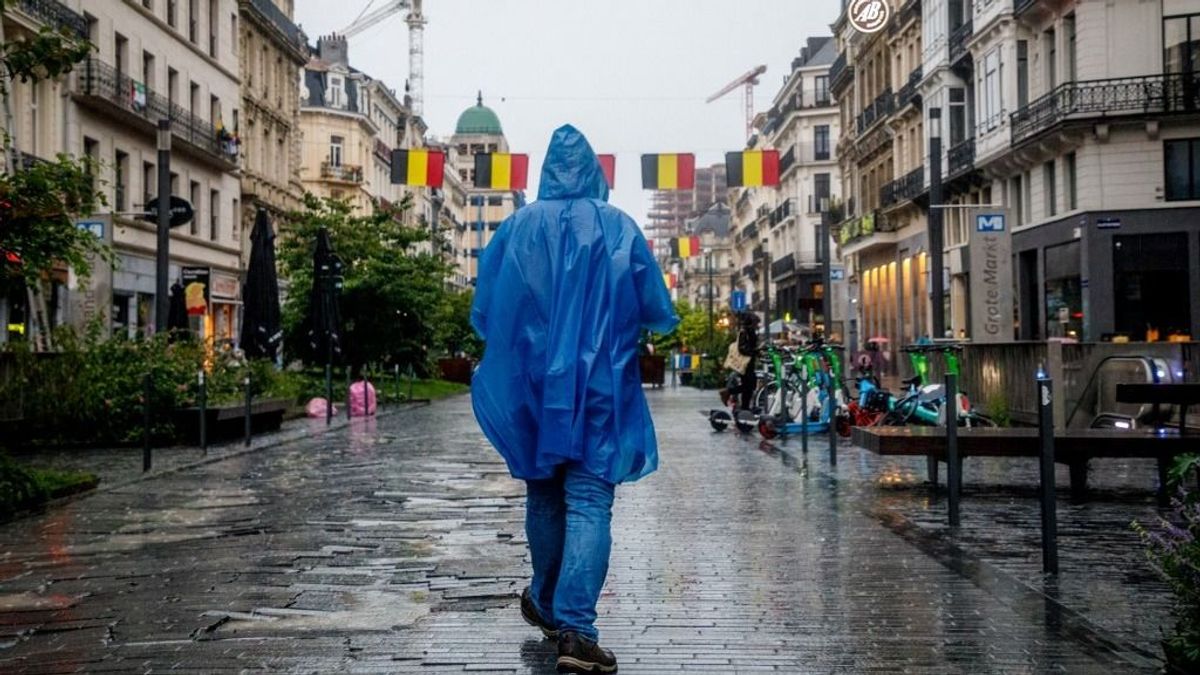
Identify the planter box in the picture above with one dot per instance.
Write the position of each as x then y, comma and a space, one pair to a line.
227, 422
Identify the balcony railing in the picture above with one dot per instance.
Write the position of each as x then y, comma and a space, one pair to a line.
748, 271
958, 40
840, 73
910, 93
56, 15
880, 108
780, 213
757, 254
101, 82
862, 227
908, 187
783, 267
749, 232
961, 157
788, 159
1168, 93
348, 173
382, 151
291, 32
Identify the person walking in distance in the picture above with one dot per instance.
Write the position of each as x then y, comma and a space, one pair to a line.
564, 290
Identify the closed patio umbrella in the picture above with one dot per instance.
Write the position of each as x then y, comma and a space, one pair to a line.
324, 314
177, 318
261, 325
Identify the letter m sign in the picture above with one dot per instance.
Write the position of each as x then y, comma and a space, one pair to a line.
993, 222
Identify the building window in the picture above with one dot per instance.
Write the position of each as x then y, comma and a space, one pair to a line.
91, 149
194, 99
172, 86
195, 198
1063, 291
1017, 191
1069, 179
993, 107
821, 142
148, 4
194, 20
958, 115
335, 91
820, 191
1069, 35
1181, 43
213, 27
148, 181
1027, 200
335, 150
214, 110
171, 12
1022, 73
148, 69
1181, 160
821, 90
1050, 188
121, 55
120, 181
233, 32
1050, 40
237, 217
214, 215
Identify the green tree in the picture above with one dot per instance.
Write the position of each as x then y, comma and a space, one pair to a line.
40, 200
453, 332
391, 295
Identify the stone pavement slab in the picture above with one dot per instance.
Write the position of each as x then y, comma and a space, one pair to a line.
397, 545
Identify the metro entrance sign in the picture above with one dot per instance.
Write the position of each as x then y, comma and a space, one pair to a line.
181, 211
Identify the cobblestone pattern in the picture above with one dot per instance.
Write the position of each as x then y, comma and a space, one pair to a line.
396, 545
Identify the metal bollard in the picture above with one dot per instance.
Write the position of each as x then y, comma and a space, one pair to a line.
248, 395
411, 376
367, 392
953, 464
328, 393
398, 394
147, 392
348, 385
833, 438
203, 412
804, 412
1049, 506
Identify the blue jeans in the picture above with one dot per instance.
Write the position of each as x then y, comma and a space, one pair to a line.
567, 522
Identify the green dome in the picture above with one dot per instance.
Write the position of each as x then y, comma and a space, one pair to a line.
478, 119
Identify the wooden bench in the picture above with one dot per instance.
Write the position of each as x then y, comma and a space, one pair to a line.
1075, 447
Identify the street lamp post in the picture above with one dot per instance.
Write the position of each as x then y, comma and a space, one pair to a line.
163, 254
937, 295
766, 262
826, 253
709, 265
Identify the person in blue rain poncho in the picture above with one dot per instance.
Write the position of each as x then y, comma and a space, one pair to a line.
565, 288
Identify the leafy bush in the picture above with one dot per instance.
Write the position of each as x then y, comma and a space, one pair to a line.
25, 487
1173, 549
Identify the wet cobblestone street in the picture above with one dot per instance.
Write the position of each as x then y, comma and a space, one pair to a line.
397, 545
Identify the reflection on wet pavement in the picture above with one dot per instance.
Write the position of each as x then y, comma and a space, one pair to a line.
397, 545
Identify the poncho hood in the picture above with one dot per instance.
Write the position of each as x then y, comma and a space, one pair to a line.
571, 170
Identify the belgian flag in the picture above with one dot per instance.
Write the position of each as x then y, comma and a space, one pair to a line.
501, 171
752, 168
608, 164
670, 280
669, 172
418, 167
685, 247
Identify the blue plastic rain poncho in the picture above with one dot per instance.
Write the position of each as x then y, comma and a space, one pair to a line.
565, 288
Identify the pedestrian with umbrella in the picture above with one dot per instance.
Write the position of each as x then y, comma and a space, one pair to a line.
261, 325
324, 315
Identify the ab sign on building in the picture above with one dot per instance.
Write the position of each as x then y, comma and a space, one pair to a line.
869, 16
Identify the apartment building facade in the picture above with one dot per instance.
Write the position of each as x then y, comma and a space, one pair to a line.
777, 246
1081, 142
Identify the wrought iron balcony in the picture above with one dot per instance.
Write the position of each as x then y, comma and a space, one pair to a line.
961, 157
880, 108
279, 20
910, 93
788, 160
1160, 94
347, 173
749, 232
116, 92
840, 73
958, 40
56, 15
783, 267
862, 227
757, 255
748, 271
780, 213
908, 187
382, 151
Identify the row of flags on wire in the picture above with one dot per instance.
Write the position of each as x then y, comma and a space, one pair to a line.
510, 171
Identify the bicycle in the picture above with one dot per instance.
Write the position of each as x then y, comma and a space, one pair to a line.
925, 403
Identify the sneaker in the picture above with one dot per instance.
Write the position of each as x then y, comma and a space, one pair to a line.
577, 654
533, 617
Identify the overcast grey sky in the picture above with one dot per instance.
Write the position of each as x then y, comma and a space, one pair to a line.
631, 74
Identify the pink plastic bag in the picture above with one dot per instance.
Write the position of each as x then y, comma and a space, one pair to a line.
362, 399
317, 407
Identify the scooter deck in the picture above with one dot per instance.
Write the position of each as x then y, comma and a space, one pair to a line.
796, 428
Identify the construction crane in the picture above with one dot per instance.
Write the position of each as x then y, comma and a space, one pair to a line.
416, 43
748, 80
